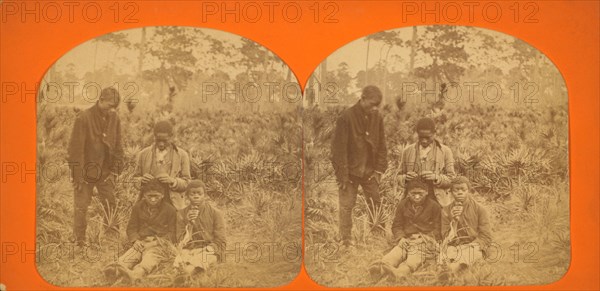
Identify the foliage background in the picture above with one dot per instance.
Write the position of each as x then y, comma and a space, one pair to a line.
248, 153
514, 151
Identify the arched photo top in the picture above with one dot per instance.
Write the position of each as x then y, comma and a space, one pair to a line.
173, 68
475, 65
159, 151
436, 156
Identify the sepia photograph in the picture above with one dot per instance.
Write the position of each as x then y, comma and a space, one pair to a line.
169, 157
436, 156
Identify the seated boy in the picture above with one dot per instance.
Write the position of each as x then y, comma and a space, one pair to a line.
152, 219
415, 228
466, 227
201, 228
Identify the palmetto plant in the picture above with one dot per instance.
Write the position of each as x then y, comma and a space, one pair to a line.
259, 200
376, 219
112, 216
49, 223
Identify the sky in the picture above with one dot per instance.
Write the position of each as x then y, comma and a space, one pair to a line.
353, 53
82, 55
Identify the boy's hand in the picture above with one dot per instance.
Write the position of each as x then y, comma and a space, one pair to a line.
166, 180
376, 176
429, 176
456, 211
344, 184
78, 186
192, 214
403, 243
411, 176
138, 245
146, 178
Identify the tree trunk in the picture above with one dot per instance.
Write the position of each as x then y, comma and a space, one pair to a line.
310, 93
413, 50
142, 52
367, 63
385, 73
322, 94
95, 57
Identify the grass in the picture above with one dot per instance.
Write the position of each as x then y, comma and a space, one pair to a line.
518, 176
533, 251
261, 206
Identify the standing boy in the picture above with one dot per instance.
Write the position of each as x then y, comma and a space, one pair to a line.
95, 156
359, 157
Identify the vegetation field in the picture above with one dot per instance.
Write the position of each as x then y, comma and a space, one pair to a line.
250, 163
517, 162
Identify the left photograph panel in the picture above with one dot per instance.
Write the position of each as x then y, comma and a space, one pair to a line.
169, 157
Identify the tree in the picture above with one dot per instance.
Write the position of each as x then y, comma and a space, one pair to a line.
172, 48
390, 39
259, 65
340, 82
118, 40
443, 46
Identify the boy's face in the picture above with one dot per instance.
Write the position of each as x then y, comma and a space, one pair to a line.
460, 191
153, 197
162, 140
417, 195
425, 137
107, 104
370, 103
197, 195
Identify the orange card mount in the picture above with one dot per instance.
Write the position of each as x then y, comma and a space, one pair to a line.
245, 83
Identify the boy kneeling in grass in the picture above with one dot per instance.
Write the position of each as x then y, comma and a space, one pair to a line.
201, 228
466, 227
415, 228
152, 221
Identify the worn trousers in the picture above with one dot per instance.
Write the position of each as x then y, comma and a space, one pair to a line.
196, 259
347, 200
147, 258
83, 199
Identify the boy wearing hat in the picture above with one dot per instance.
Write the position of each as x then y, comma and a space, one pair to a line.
201, 228
415, 228
165, 162
465, 225
152, 219
429, 160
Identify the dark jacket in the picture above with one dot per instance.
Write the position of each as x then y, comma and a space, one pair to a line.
473, 225
95, 150
426, 220
358, 146
209, 227
142, 223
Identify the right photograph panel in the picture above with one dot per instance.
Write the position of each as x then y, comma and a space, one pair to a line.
436, 156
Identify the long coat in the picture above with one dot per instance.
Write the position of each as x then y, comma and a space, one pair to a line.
95, 149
